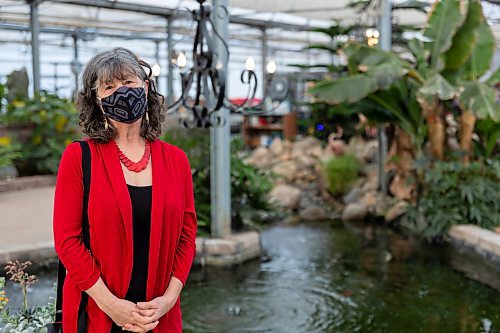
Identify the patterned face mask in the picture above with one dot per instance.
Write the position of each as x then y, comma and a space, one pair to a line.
126, 104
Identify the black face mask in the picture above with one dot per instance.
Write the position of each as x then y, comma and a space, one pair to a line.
126, 104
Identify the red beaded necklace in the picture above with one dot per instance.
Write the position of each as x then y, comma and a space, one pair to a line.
136, 166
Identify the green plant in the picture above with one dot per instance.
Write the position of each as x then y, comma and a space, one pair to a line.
448, 63
8, 151
249, 186
50, 122
341, 172
454, 193
25, 319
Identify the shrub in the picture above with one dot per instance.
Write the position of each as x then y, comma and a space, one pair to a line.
454, 193
51, 123
25, 319
249, 185
341, 172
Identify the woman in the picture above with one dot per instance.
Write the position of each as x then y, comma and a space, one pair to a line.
141, 208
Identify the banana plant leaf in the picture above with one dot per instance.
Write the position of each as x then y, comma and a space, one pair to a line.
355, 87
329, 67
367, 57
437, 86
445, 17
480, 99
465, 39
481, 56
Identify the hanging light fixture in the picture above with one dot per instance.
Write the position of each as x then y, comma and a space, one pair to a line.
208, 80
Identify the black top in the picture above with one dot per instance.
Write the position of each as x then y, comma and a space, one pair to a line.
141, 212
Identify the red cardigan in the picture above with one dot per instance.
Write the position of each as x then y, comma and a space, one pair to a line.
173, 229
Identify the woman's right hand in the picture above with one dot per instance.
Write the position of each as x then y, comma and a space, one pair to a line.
120, 311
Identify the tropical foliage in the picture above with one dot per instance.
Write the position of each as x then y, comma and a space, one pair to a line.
455, 193
44, 125
447, 63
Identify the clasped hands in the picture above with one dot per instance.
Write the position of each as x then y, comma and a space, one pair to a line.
140, 317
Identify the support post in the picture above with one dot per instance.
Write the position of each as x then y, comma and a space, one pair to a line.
35, 52
220, 172
170, 74
385, 44
264, 61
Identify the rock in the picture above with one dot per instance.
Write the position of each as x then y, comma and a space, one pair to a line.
497, 230
316, 151
286, 196
356, 146
371, 182
277, 147
287, 169
292, 219
261, 158
353, 196
307, 143
306, 161
369, 199
337, 147
398, 209
313, 213
381, 205
354, 212
321, 178
8, 172
400, 189
369, 151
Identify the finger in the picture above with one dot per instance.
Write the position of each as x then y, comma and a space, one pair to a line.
146, 305
139, 319
146, 313
132, 328
150, 326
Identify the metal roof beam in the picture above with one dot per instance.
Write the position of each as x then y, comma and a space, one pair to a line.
171, 13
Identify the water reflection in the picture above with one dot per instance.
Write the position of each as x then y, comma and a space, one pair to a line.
336, 278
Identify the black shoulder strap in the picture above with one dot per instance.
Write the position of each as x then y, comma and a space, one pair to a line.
86, 164
61, 274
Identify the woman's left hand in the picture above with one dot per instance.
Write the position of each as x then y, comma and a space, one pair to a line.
149, 312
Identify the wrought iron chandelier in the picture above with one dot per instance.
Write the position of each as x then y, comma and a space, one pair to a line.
208, 79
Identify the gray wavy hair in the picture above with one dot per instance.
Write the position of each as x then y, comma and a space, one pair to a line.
103, 68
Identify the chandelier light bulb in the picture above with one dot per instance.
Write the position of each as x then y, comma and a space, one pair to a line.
156, 69
250, 64
271, 67
181, 60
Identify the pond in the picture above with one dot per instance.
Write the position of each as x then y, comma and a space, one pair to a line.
336, 277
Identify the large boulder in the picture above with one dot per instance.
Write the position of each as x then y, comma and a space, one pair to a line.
277, 147
286, 196
313, 213
400, 188
261, 158
354, 212
398, 209
287, 169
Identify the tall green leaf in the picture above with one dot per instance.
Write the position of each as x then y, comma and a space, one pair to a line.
358, 86
437, 86
465, 39
444, 20
481, 56
480, 99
